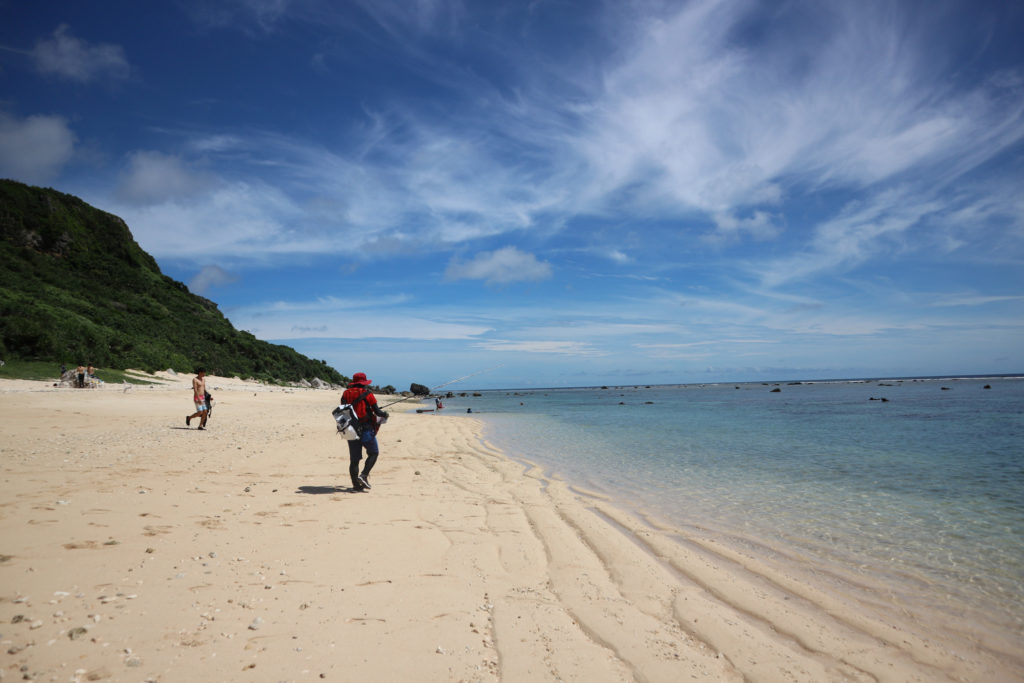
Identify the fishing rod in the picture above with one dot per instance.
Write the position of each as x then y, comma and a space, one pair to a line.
441, 386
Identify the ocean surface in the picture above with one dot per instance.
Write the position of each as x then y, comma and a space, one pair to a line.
923, 490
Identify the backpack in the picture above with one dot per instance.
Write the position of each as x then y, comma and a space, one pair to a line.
347, 421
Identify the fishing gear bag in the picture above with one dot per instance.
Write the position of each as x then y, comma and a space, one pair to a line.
349, 425
347, 421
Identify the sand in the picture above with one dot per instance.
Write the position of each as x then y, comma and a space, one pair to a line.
133, 548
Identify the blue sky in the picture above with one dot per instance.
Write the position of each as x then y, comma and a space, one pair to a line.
572, 193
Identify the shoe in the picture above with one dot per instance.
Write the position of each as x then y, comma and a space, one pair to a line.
202, 428
188, 420
362, 480
358, 487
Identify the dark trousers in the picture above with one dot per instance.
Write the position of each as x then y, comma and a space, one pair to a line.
355, 453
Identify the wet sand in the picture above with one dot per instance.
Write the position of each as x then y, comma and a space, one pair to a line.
133, 548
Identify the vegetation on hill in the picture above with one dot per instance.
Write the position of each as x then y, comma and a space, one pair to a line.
75, 288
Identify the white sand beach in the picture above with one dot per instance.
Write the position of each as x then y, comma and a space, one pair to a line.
133, 548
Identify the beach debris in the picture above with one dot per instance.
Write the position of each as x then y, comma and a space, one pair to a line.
256, 624
77, 632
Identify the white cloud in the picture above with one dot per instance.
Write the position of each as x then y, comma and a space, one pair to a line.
34, 149
618, 256
69, 57
728, 228
570, 348
973, 300
154, 178
210, 276
502, 266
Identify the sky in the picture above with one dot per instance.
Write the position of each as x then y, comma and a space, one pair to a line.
554, 192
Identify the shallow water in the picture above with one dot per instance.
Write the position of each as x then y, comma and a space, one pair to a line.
925, 490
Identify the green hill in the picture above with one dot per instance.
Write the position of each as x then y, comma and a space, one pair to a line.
75, 287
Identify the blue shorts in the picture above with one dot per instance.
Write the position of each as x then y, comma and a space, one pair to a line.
200, 406
368, 441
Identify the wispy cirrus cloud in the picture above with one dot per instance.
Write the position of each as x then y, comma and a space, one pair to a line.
864, 100
972, 300
563, 347
861, 231
683, 121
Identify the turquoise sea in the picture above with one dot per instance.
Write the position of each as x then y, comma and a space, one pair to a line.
924, 490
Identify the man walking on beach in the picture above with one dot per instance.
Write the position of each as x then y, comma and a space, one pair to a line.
199, 398
362, 399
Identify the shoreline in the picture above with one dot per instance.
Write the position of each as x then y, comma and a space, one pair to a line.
880, 601
238, 552
928, 558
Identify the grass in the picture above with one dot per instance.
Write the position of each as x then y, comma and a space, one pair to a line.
49, 372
